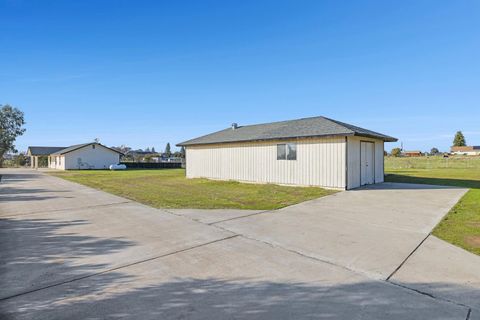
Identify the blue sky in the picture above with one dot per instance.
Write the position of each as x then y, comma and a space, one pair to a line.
143, 73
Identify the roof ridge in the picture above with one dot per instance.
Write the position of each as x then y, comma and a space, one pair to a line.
302, 127
280, 121
342, 124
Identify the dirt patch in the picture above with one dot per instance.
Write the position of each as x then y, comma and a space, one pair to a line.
473, 241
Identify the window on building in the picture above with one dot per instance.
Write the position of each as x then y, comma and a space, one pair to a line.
287, 151
291, 151
281, 152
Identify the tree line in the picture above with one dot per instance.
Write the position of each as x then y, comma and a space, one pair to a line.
458, 141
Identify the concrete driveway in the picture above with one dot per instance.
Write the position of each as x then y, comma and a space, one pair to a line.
71, 252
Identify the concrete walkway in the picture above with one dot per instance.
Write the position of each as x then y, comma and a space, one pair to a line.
71, 252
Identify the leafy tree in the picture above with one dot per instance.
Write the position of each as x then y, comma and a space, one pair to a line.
459, 140
20, 160
168, 151
396, 152
43, 161
434, 151
11, 126
182, 152
147, 150
148, 158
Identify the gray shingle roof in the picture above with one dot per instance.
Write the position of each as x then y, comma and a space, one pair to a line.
72, 148
300, 128
78, 146
43, 151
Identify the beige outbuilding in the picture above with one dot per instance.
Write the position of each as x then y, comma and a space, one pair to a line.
92, 155
314, 151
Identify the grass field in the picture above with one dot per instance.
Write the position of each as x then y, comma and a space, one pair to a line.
462, 224
170, 189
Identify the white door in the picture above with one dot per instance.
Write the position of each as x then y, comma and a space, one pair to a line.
367, 165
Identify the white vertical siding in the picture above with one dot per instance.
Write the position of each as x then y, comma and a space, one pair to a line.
98, 158
320, 162
379, 161
353, 159
353, 162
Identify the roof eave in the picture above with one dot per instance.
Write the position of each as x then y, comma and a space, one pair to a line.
186, 143
372, 136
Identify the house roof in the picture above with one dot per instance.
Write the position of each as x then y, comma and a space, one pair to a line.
465, 148
300, 128
45, 151
78, 146
42, 151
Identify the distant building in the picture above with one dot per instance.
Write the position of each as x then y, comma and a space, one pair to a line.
91, 155
466, 150
415, 153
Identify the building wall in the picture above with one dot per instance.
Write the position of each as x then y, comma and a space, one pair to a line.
467, 153
320, 162
57, 162
89, 158
353, 159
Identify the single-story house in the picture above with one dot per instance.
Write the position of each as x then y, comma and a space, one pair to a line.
466, 150
92, 155
314, 151
415, 153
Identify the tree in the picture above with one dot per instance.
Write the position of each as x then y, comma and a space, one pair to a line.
182, 152
43, 161
148, 158
434, 151
396, 152
11, 126
459, 140
168, 151
153, 149
20, 160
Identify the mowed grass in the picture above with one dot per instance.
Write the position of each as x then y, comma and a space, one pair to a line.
461, 226
168, 188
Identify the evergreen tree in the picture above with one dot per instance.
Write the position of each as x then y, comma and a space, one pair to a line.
182, 152
459, 140
168, 151
153, 149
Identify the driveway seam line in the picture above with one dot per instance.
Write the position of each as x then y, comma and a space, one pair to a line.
117, 268
246, 216
468, 314
357, 272
268, 243
405, 260
433, 296
215, 222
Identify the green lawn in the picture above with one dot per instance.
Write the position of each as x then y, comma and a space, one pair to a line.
169, 188
462, 224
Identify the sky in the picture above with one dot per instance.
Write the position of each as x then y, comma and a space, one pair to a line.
144, 73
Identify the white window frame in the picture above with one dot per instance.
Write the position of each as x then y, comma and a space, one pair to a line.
288, 147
